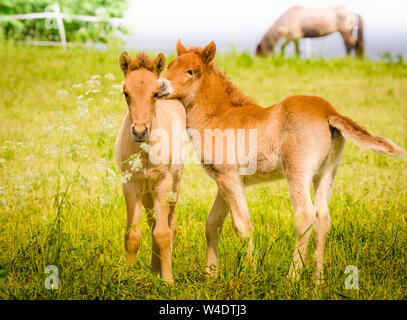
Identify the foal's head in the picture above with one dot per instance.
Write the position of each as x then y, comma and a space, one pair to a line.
185, 73
141, 90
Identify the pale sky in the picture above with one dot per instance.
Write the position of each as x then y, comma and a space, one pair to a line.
158, 23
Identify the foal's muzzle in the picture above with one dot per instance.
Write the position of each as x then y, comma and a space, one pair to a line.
139, 136
165, 88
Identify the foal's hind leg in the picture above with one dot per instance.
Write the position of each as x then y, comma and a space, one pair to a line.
214, 224
232, 190
323, 183
299, 185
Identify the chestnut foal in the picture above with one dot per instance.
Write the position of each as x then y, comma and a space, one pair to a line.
300, 138
152, 184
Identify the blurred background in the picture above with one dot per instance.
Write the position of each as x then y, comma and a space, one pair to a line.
238, 25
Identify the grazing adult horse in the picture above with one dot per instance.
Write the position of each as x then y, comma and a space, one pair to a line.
299, 22
300, 138
152, 183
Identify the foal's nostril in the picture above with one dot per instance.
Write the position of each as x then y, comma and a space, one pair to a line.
133, 131
145, 132
163, 85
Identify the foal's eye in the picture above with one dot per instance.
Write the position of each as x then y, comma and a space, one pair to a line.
190, 72
126, 95
155, 95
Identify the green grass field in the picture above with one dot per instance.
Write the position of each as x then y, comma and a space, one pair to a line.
61, 202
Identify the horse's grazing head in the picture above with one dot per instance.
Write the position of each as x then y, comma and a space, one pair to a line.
264, 48
141, 90
184, 74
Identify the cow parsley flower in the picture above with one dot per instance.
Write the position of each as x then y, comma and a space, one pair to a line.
135, 162
107, 126
110, 76
62, 94
52, 150
145, 147
172, 197
126, 176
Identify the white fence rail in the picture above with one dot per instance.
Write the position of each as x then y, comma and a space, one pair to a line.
56, 14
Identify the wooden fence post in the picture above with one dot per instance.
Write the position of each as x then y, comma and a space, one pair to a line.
60, 22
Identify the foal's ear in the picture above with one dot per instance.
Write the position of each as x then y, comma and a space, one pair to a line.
180, 48
124, 61
208, 53
159, 63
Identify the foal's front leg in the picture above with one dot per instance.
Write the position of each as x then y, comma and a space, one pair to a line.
162, 232
133, 233
149, 207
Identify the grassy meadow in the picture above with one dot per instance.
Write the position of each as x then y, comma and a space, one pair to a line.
61, 201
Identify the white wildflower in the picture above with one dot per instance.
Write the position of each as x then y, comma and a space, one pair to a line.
29, 157
52, 150
110, 76
110, 177
106, 100
126, 176
62, 94
95, 91
172, 197
145, 147
101, 165
91, 99
108, 125
135, 163
83, 112
2, 162
67, 128
80, 97
77, 85
76, 150
95, 76
111, 93
47, 129
93, 83
118, 86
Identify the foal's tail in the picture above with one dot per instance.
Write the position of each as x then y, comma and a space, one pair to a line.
359, 135
360, 46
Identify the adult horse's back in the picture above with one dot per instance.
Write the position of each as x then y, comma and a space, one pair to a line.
300, 22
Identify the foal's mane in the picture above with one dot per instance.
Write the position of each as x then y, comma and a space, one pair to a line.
237, 97
142, 60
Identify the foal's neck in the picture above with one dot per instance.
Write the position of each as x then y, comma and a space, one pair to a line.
218, 94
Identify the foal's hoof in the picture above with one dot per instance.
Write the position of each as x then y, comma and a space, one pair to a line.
131, 258
168, 282
294, 274
318, 278
211, 272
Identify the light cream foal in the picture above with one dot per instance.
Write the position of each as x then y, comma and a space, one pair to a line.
152, 182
